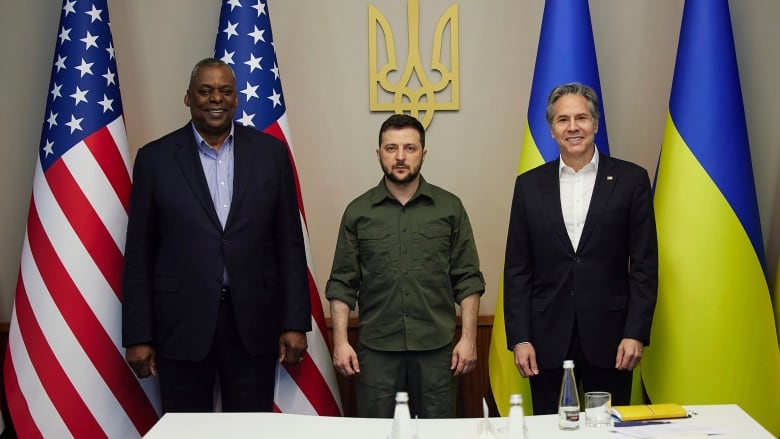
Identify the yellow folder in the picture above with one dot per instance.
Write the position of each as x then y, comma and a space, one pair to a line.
649, 411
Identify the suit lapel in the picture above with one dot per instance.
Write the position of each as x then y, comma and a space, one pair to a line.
242, 168
602, 189
551, 198
192, 169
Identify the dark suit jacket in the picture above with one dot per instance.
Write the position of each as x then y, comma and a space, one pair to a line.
608, 285
176, 248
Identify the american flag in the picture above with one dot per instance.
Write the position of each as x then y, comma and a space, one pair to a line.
65, 373
244, 41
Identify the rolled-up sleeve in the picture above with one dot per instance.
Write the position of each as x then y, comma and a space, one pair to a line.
465, 275
345, 277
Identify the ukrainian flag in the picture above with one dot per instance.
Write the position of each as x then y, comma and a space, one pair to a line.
776, 298
566, 53
713, 336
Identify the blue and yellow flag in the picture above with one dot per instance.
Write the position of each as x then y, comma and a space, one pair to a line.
776, 298
566, 53
713, 337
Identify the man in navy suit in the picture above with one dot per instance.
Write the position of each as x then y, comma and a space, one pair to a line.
581, 273
215, 279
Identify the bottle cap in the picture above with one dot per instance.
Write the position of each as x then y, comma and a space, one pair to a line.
401, 397
568, 364
515, 399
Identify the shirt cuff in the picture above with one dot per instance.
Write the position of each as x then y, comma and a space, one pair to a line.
512, 348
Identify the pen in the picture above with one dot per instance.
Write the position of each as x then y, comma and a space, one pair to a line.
639, 423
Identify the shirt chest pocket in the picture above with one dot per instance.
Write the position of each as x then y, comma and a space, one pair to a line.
375, 245
432, 246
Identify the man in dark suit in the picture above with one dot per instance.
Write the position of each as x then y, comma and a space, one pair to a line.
581, 273
215, 280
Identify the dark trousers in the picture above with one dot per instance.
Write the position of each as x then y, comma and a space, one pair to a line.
425, 375
546, 387
246, 382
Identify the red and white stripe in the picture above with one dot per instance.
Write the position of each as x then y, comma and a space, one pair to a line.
65, 371
311, 387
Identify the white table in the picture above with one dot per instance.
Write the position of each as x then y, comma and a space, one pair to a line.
285, 426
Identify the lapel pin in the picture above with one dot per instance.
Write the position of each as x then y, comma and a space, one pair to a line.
609, 177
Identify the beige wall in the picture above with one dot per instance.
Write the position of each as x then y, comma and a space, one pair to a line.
322, 50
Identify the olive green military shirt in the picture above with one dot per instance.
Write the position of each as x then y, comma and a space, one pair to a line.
405, 267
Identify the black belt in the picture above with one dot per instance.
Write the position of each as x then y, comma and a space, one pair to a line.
224, 294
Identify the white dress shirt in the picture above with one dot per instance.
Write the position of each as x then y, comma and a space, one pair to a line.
576, 190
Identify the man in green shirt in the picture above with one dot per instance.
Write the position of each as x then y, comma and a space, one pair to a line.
405, 254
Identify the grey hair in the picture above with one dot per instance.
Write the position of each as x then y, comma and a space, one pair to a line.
209, 62
573, 88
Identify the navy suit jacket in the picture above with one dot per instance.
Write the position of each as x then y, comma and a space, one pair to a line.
608, 285
176, 248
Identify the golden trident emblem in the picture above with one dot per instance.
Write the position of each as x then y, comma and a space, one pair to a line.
423, 97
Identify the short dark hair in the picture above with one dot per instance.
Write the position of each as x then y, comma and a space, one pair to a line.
573, 88
398, 121
208, 62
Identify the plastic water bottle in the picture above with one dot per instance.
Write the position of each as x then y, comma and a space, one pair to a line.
402, 419
569, 402
515, 427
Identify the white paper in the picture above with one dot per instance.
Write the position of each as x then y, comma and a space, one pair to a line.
669, 430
